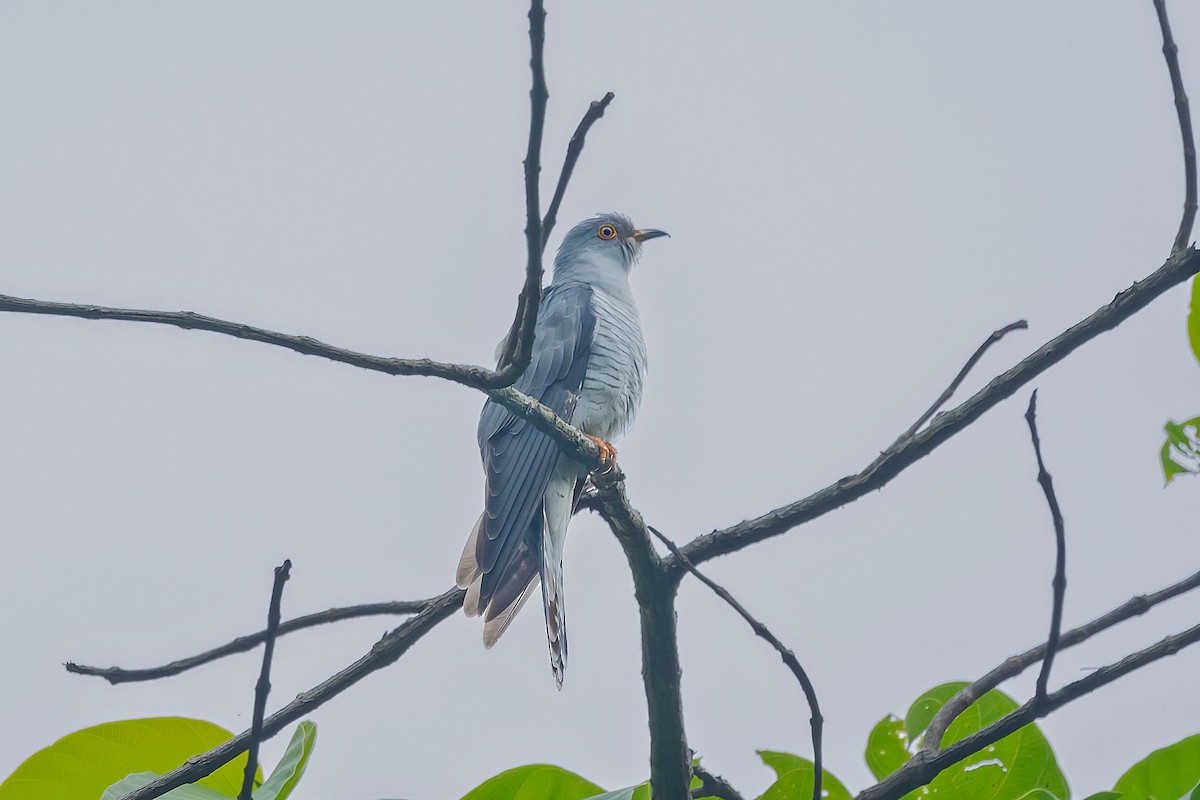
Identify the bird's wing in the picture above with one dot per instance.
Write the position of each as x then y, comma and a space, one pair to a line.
517, 457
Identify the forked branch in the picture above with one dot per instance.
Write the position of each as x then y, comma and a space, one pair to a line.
925, 765
1016, 664
385, 652
1178, 268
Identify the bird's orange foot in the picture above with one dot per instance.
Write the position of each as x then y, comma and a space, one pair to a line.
608, 453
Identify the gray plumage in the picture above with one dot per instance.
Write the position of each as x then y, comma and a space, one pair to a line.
589, 366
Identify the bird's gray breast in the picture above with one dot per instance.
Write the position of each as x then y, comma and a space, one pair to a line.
616, 370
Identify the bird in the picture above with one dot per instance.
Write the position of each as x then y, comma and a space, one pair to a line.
589, 366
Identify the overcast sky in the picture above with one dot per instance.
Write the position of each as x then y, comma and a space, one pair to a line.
858, 193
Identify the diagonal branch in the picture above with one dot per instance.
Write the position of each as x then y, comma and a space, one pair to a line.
385, 652
1171, 54
996, 335
263, 687
1060, 549
1178, 268
925, 765
575, 444
242, 644
1015, 665
574, 148
816, 721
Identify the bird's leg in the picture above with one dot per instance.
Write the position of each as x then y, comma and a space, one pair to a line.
608, 453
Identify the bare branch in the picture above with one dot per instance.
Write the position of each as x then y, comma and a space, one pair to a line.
670, 766
475, 377
1178, 268
518, 350
1171, 54
242, 644
1015, 665
385, 652
995, 336
573, 442
263, 687
713, 785
520, 346
925, 765
574, 148
789, 658
1060, 548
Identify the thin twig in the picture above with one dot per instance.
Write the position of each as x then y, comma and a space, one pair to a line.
475, 377
1059, 583
115, 675
995, 336
263, 687
1177, 269
1171, 54
925, 765
385, 652
519, 349
1016, 664
816, 721
574, 148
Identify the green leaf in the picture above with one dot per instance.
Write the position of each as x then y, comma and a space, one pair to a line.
1103, 796
81, 765
1194, 318
923, 709
1166, 774
1181, 451
290, 769
794, 779
533, 782
1040, 794
139, 779
628, 793
1017, 766
887, 747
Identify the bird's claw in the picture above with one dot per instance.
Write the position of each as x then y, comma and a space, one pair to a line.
608, 453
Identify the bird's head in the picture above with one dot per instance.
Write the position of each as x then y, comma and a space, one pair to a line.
603, 242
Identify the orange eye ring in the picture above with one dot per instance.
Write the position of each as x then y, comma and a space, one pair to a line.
607, 232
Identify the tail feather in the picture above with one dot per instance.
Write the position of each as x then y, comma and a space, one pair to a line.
556, 618
500, 606
495, 626
468, 566
537, 558
560, 501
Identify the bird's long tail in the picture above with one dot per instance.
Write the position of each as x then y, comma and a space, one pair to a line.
560, 501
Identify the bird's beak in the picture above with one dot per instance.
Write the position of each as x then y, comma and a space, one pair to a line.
648, 233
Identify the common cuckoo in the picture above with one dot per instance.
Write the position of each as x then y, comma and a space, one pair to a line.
589, 365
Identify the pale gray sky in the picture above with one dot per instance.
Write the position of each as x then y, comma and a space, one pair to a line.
858, 193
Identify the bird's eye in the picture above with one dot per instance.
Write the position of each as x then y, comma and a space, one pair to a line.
607, 232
